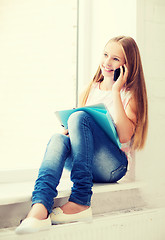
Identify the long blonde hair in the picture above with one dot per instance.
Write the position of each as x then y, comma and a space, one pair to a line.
135, 84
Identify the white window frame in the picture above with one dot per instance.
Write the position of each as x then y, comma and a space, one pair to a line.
24, 175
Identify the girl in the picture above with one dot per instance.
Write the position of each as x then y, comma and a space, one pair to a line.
87, 151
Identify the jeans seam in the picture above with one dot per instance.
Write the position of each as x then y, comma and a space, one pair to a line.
86, 137
86, 120
119, 170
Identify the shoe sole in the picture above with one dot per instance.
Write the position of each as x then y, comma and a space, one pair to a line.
87, 220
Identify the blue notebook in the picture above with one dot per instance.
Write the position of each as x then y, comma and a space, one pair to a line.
101, 116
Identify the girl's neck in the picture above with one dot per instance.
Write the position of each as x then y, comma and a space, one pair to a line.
106, 84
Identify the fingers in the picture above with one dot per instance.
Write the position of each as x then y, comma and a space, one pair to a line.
64, 131
123, 69
124, 73
126, 69
117, 86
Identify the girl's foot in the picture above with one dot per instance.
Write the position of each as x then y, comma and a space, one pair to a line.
38, 211
72, 208
36, 220
71, 212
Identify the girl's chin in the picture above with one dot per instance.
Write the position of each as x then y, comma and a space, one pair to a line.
108, 74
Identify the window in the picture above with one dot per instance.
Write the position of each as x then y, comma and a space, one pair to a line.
37, 76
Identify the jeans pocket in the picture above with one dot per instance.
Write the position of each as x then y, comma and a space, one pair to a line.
118, 173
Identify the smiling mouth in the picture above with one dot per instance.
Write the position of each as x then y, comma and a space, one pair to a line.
108, 69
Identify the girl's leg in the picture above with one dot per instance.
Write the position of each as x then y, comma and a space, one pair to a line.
50, 172
82, 149
109, 162
95, 157
58, 149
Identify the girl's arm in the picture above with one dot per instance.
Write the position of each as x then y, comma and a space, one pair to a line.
125, 120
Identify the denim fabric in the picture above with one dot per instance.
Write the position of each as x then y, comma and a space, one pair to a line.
88, 153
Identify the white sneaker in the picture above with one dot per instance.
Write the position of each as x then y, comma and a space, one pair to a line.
31, 225
57, 216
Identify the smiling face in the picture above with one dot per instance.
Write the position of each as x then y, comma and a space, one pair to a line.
112, 58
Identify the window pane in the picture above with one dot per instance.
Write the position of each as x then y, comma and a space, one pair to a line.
37, 75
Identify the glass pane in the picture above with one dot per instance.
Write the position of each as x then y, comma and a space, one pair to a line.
37, 75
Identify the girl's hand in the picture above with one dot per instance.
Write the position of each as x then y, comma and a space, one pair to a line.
65, 132
117, 86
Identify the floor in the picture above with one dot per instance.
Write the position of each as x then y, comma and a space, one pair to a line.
133, 225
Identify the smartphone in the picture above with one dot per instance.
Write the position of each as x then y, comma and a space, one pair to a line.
117, 73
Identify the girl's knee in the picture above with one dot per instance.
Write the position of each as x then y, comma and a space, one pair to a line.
58, 138
77, 117
56, 152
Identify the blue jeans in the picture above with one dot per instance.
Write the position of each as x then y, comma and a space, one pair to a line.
90, 156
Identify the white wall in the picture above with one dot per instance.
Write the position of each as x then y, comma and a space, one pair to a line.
145, 21
151, 35
100, 20
37, 68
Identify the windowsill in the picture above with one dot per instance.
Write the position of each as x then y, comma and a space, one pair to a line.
15, 198
21, 192
17, 186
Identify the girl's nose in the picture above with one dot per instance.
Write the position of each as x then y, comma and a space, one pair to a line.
108, 62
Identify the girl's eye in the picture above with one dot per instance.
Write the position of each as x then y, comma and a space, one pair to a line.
116, 59
105, 54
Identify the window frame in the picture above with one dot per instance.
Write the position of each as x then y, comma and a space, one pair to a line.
30, 174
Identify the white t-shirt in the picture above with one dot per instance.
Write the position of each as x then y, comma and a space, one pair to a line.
97, 96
